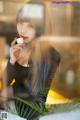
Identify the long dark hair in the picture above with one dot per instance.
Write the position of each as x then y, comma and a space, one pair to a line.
38, 56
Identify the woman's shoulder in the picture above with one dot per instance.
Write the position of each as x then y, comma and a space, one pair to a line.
55, 54
50, 51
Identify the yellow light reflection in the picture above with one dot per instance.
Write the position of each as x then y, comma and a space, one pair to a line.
56, 98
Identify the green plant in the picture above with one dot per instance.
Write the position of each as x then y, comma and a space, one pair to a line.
30, 109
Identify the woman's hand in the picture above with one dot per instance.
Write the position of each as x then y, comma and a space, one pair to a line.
15, 51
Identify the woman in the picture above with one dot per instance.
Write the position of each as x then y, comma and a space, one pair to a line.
31, 67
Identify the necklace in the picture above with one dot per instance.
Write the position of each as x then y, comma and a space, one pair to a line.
25, 65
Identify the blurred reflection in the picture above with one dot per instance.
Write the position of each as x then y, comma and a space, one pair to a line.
70, 77
63, 22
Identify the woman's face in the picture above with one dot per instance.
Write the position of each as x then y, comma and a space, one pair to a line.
26, 31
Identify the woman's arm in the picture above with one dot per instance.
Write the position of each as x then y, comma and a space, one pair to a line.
54, 61
50, 67
9, 73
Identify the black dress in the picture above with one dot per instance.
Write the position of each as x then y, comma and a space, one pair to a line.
28, 105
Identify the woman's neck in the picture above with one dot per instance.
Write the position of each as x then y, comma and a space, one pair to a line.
29, 46
26, 53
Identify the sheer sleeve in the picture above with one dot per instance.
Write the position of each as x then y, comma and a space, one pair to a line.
53, 63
